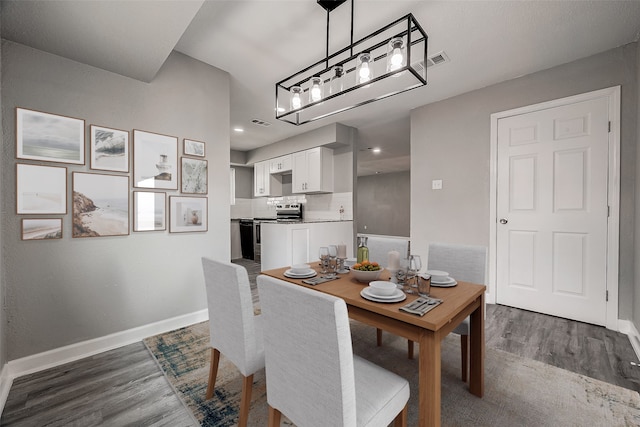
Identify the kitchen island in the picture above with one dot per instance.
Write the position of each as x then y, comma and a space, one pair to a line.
288, 243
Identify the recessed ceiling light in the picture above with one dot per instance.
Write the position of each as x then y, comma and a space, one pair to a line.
238, 130
376, 150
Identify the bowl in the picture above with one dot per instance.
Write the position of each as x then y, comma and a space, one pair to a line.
350, 261
300, 268
382, 288
366, 276
438, 275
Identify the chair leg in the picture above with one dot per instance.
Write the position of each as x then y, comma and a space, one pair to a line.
379, 336
245, 401
401, 418
274, 417
409, 349
464, 355
213, 372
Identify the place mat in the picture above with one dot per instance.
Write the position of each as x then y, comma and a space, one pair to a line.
318, 280
421, 306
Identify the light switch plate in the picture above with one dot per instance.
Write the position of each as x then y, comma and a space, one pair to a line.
436, 184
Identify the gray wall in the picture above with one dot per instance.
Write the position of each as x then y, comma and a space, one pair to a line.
636, 291
450, 141
384, 204
244, 182
3, 317
66, 291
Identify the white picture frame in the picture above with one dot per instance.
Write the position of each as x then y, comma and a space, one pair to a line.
187, 214
109, 149
41, 189
155, 160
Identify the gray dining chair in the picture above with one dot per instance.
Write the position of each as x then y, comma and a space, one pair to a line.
233, 328
313, 377
465, 263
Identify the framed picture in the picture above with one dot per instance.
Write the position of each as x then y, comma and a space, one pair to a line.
42, 229
193, 148
41, 189
194, 176
49, 137
149, 211
109, 149
155, 160
187, 214
100, 205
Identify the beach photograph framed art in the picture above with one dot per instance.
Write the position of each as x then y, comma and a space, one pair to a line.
41, 229
100, 205
193, 176
41, 189
187, 214
109, 149
155, 160
49, 137
192, 147
149, 211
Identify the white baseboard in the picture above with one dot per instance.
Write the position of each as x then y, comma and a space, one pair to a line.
627, 327
59, 356
5, 385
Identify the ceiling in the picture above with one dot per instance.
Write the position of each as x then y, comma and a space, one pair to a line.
260, 42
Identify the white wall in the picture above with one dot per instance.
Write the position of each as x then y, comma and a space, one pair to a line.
450, 141
72, 290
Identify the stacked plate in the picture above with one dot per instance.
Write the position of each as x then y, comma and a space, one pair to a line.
300, 272
397, 296
441, 279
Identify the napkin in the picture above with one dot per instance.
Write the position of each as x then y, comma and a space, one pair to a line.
421, 306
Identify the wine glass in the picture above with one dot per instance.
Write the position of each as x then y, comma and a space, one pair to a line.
324, 258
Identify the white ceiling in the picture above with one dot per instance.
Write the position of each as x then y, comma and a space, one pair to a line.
260, 42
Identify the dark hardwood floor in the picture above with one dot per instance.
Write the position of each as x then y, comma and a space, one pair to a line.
125, 386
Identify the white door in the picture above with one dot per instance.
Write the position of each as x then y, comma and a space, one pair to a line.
551, 254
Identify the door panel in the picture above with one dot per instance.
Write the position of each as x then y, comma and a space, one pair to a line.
552, 196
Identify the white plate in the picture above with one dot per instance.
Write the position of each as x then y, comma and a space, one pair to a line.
291, 275
444, 285
447, 281
396, 293
399, 296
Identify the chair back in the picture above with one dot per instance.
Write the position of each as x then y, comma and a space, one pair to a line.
232, 324
308, 354
463, 262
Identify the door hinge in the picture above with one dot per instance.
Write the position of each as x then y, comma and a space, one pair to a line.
607, 296
609, 126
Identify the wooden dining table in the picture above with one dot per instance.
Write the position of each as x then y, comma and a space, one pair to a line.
458, 302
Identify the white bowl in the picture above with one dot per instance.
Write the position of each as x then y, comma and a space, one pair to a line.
438, 275
350, 261
382, 288
300, 268
366, 276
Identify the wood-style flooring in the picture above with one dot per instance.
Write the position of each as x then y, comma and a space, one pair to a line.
125, 387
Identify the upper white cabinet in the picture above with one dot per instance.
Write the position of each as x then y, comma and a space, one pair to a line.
280, 164
264, 183
313, 171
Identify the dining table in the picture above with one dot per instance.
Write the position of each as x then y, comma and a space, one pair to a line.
458, 302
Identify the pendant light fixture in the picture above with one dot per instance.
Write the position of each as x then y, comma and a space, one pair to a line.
357, 74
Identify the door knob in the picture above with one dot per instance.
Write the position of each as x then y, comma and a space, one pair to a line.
503, 220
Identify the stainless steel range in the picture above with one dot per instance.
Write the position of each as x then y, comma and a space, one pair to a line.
289, 212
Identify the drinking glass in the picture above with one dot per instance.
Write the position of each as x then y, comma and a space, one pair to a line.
415, 264
324, 259
402, 276
333, 262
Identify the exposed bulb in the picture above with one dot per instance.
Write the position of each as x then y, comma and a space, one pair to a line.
364, 72
315, 93
396, 59
296, 100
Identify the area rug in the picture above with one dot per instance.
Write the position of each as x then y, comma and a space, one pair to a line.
518, 391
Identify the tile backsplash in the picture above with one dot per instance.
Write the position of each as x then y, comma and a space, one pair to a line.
316, 206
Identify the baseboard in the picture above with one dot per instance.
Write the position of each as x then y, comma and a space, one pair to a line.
627, 327
5, 385
70, 353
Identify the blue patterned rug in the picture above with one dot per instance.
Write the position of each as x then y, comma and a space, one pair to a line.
518, 391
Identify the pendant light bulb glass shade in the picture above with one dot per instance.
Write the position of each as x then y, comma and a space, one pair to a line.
336, 85
296, 97
316, 89
364, 71
396, 55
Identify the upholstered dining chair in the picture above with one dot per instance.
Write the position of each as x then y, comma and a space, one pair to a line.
468, 264
234, 330
313, 377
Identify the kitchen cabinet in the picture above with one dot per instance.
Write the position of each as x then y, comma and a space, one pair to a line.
285, 244
313, 171
264, 183
280, 164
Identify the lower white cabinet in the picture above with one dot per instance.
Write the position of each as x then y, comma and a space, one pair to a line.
288, 244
